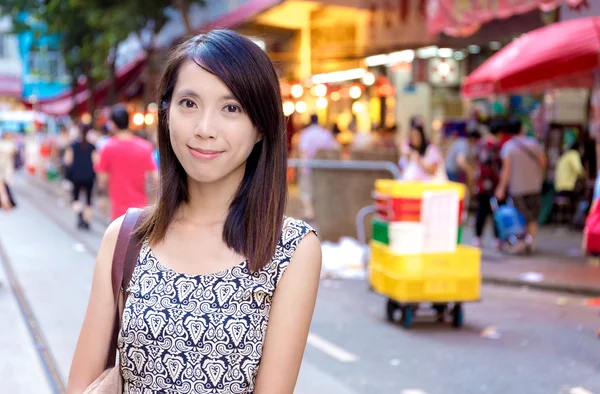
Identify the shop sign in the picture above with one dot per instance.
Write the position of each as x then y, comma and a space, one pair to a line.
443, 71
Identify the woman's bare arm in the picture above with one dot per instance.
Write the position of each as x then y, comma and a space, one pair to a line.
92, 346
289, 320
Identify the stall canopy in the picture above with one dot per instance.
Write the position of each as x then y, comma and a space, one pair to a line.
10, 85
465, 17
564, 54
66, 103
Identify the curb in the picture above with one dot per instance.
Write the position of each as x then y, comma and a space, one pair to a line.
545, 286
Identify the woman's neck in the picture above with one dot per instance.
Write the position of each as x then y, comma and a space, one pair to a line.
209, 202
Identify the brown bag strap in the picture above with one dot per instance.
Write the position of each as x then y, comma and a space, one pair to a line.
125, 257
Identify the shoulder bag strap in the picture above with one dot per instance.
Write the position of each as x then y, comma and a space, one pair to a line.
529, 152
124, 259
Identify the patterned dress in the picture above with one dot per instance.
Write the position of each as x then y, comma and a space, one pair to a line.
202, 333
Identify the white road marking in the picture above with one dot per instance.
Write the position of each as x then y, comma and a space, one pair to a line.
330, 349
413, 391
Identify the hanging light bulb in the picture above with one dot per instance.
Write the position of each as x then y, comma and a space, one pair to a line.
288, 108
322, 102
300, 107
297, 91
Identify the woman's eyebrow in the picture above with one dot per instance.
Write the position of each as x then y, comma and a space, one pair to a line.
187, 92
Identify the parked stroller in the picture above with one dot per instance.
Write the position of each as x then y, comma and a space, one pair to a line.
512, 227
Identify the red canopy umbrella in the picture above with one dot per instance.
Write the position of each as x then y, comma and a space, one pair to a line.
564, 54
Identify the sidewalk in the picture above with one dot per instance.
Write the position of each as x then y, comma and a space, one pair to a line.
557, 265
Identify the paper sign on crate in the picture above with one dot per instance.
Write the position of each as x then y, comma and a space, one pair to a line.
439, 211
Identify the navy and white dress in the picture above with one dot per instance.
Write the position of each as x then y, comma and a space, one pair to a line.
199, 333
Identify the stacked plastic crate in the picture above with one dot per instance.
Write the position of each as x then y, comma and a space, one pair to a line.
415, 256
415, 218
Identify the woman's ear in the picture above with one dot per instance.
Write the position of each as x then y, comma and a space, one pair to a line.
259, 137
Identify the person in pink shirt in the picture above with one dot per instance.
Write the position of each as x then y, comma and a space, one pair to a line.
124, 165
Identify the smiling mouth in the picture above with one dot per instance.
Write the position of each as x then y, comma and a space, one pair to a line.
204, 154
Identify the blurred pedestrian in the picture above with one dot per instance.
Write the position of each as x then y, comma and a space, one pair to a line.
488, 176
460, 165
7, 202
522, 175
570, 175
312, 139
423, 160
79, 161
224, 285
8, 152
125, 164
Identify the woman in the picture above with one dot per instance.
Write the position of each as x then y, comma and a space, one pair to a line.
6, 201
423, 161
8, 152
569, 169
195, 319
79, 160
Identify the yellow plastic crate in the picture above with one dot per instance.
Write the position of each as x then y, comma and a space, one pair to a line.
415, 189
444, 277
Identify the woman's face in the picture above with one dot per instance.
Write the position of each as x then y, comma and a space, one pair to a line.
210, 133
415, 138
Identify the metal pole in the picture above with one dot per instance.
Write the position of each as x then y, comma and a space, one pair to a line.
347, 165
360, 222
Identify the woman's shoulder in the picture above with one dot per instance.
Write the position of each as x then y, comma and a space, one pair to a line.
296, 226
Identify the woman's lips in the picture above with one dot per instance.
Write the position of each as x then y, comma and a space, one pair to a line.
204, 154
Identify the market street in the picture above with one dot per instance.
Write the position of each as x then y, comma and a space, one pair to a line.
533, 342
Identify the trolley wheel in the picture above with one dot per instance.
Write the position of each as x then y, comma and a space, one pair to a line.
441, 312
457, 316
407, 316
391, 308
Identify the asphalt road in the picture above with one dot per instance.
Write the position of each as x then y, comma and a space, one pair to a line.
544, 342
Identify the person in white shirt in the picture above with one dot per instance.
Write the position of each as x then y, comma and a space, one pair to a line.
312, 139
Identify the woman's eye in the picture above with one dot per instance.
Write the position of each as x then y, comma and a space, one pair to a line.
187, 103
232, 109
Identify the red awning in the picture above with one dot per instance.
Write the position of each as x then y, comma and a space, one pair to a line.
11, 86
454, 18
564, 54
63, 104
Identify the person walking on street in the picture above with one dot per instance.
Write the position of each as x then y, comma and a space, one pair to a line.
487, 178
79, 159
522, 176
312, 139
222, 295
6, 200
124, 165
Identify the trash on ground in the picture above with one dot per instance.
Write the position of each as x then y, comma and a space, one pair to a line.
532, 277
578, 390
593, 302
79, 247
394, 362
344, 259
491, 333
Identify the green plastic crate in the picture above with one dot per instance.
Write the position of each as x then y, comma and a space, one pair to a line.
460, 235
380, 231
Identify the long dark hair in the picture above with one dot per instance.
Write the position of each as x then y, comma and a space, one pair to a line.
84, 128
254, 223
421, 149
